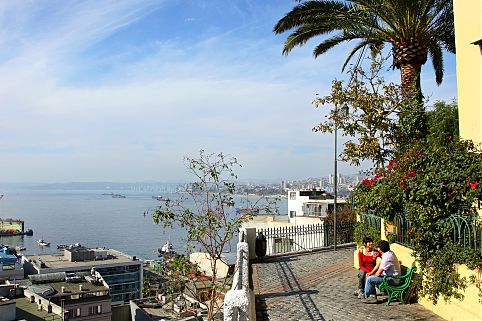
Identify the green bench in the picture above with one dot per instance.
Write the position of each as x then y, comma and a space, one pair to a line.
397, 291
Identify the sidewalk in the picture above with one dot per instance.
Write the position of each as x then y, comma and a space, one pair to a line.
319, 286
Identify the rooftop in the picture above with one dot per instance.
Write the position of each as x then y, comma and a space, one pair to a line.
74, 288
29, 311
59, 261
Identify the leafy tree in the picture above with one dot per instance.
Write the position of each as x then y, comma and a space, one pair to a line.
177, 271
365, 109
413, 28
206, 213
443, 121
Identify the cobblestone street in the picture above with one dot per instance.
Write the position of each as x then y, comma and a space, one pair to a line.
319, 286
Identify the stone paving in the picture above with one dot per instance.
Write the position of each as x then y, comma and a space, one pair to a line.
319, 286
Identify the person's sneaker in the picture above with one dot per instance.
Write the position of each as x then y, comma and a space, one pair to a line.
370, 300
361, 295
357, 292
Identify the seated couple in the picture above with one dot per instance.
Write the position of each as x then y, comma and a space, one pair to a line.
373, 269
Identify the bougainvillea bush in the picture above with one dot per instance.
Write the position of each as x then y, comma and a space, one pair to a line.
445, 179
427, 184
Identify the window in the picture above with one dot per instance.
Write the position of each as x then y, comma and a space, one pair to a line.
292, 196
96, 309
76, 313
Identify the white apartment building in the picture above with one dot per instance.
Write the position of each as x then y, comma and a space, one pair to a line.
309, 206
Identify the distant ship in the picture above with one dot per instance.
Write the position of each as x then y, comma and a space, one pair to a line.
161, 198
244, 211
14, 232
41, 242
12, 226
118, 196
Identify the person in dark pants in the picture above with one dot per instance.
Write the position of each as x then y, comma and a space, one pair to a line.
389, 266
367, 259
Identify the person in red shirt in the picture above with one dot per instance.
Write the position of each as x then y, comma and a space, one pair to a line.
367, 260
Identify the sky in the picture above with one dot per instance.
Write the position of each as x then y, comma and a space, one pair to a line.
122, 90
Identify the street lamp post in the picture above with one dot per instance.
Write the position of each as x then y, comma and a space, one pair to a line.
335, 183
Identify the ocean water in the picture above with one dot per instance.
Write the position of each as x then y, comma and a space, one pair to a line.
92, 219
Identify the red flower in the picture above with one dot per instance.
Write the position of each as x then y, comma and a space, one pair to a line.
474, 185
392, 163
412, 172
368, 181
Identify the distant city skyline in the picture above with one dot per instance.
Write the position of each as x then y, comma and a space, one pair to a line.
122, 90
152, 185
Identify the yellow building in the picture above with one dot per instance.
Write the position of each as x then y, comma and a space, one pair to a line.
468, 42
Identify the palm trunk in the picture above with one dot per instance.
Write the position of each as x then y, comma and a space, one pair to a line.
412, 121
410, 80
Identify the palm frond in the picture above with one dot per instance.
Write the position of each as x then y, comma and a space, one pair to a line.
355, 49
304, 33
436, 56
311, 12
330, 43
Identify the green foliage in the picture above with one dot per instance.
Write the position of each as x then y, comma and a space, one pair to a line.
362, 230
412, 124
443, 121
345, 213
364, 109
441, 279
176, 273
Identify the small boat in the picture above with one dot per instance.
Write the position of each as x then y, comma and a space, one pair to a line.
161, 198
166, 249
118, 196
41, 242
62, 246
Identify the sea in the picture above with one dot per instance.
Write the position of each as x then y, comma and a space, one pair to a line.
93, 219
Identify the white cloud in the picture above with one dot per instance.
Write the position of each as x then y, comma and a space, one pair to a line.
154, 102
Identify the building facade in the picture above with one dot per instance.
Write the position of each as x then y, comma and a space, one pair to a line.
79, 300
468, 42
310, 206
122, 274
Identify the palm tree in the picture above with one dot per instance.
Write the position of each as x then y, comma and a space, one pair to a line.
414, 28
